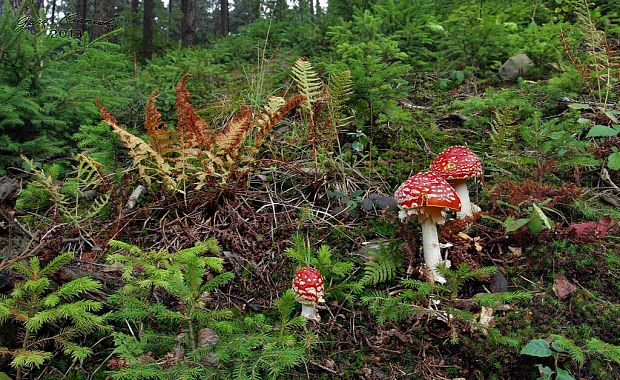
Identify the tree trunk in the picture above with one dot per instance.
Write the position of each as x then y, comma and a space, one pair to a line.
81, 12
16, 5
104, 12
38, 4
188, 23
224, 19
147, 34
53, 11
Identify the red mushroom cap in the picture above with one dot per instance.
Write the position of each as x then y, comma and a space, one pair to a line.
426, 195
308, 284
456, 162
427, 190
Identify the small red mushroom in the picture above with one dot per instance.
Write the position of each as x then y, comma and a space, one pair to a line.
308, 286
428, 195
457, 164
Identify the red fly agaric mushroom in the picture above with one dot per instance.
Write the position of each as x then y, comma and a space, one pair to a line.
456, 164
308, 286
428, 195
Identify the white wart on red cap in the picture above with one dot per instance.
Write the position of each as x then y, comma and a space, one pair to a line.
456, 162
426, 194
308, 285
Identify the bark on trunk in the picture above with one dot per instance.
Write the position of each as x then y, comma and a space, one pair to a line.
147, 33
16, 5
104, 12
188, 23
81, 12
53, 11
224, 19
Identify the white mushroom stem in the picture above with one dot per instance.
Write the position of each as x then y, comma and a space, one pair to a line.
308, 311
460, 186
430, 245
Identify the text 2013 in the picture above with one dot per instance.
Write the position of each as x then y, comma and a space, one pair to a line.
65, 33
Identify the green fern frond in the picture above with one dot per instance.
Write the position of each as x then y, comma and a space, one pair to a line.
381, 267
308, 82
339, 91
375, 273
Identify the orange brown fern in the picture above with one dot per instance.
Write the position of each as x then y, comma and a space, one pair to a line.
230, 138
160, 136
267, 120
191, 128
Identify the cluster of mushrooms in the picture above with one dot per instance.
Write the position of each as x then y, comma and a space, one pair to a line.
427, 195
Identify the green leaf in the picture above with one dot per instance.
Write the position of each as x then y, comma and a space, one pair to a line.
511, 225
535, 225
602, 131
613, 161
357, 146
435, 27
611, 116
579, 106
562, 374
545, 372
537, 347
541, 215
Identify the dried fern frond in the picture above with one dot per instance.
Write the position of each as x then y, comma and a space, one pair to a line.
146, 159
266, 120
198, 155
308, 82
160, 137
105, 115
229, 139
191, 128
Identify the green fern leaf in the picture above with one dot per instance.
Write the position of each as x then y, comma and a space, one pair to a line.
308, 82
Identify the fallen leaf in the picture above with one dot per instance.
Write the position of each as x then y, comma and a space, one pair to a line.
515, 251
485, 319
562, 287
116, 267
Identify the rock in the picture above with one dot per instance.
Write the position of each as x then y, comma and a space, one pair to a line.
6, 280
379, 202
8, 190
8, 196
207, 337
498, 283
371, 247
515, 67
